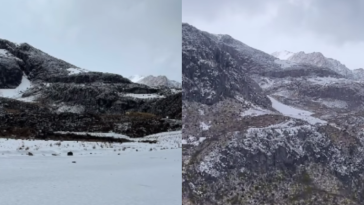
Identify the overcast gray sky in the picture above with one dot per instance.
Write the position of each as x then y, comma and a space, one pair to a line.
118, 36
332, 27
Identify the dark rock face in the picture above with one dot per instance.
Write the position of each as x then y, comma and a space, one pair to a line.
10, 73
301, 71
211, 74
170, 107
353, 93
89, 77
42, 124
35, 63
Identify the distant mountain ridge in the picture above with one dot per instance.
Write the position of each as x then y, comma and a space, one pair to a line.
155, 81
317, 59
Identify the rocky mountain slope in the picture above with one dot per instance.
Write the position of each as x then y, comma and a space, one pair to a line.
317, 59
40, 94
262, 130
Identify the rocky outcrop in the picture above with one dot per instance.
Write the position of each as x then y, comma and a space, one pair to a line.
36, 64
211, 74
169, 107
316, 59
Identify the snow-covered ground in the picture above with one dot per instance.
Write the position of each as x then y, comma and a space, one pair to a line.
3, 52
327, 80
204, 126
165, 140
103, 173
294, 112
17, 92
255, 111
142, 96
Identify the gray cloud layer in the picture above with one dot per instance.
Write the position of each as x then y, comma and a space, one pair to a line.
121, 36
333, 27
339, 19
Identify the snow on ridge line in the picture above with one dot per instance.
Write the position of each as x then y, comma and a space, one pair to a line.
295, 112
283, 55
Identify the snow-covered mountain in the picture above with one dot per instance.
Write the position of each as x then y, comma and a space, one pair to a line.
358, 73
317, 59
155, 81
136, 78
262, 130
283, 55
161, 80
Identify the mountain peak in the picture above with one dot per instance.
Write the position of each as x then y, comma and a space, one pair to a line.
155, 81
136, 78
283, 55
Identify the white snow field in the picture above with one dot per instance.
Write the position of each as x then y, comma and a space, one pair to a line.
294, 112
142, 96
103, 173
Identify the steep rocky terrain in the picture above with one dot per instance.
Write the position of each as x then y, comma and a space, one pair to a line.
40, 94
317, 59
263, 130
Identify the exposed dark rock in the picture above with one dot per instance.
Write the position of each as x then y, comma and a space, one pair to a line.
207, 65
10, 73
88, 77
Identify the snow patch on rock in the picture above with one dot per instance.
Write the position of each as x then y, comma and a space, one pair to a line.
295, 112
